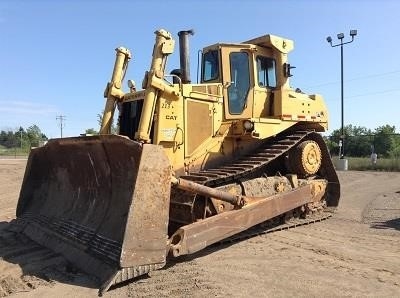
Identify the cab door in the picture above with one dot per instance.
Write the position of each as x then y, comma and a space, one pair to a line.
238, 83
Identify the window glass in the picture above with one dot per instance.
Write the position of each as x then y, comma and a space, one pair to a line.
266, 72
240, 82
210, 66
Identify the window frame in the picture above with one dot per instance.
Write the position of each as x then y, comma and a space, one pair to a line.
244, 96
203, 68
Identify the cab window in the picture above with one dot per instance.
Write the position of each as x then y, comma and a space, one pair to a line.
210, 66
240, 82
266, 72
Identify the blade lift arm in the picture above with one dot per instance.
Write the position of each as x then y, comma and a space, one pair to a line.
153, 83
113, 91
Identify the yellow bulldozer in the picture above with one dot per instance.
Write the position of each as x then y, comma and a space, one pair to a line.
192, 164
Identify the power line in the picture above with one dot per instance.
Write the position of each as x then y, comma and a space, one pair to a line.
61, 124
356, 78
374, 93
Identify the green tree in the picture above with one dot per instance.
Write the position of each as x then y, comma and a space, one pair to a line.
395, 151
7, 139
91, 131
384, 140
35, 135
22, 138
360, 141
114, 127
357, 141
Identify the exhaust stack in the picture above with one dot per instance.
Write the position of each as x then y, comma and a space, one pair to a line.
184, 54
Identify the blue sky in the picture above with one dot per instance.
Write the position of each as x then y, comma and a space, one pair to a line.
57, 56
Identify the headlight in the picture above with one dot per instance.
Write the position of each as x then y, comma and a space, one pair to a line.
248, 125
132, 85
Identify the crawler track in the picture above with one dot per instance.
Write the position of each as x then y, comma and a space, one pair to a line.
262, 161
268, 227
268, 159
249, 165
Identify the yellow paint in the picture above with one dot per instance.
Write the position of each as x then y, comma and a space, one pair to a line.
193, 121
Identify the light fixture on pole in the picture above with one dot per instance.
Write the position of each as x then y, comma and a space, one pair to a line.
340, 36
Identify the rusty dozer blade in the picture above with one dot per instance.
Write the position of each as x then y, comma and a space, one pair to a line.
100, 201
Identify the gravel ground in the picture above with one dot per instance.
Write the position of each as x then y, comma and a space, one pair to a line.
355, 253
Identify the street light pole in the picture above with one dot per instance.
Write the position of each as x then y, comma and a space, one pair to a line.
341, 99
340, 36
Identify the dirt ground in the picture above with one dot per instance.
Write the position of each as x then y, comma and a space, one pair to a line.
356, 253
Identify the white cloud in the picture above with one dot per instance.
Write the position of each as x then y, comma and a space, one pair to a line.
27, 108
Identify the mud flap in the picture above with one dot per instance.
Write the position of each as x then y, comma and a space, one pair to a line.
102, 202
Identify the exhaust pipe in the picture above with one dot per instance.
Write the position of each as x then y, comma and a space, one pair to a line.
184, 54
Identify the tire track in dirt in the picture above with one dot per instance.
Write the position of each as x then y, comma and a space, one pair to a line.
384, 211
320, 257
11, 175
26, 265
340, 235
351, 259
16, 251
178, 279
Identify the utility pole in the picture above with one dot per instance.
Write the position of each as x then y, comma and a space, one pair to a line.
61, 124
20, 136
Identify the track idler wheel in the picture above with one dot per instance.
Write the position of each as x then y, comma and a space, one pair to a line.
305, 159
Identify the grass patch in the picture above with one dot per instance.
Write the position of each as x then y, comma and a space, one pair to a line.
364, 164
13, 152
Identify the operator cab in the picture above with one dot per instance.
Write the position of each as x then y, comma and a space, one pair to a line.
249, 73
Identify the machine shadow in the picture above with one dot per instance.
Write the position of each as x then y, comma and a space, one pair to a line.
389, 224
3, 225
38, 261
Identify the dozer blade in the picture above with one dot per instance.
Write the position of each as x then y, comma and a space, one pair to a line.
101, 201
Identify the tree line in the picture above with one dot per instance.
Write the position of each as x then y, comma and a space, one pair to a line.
358, 141
22, 138
361, 142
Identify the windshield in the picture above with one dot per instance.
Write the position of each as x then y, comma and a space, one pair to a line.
266, 72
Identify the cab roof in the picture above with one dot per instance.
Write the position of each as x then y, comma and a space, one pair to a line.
281, 44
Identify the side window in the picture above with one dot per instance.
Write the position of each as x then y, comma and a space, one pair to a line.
266, 72
240, 82
210, 66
